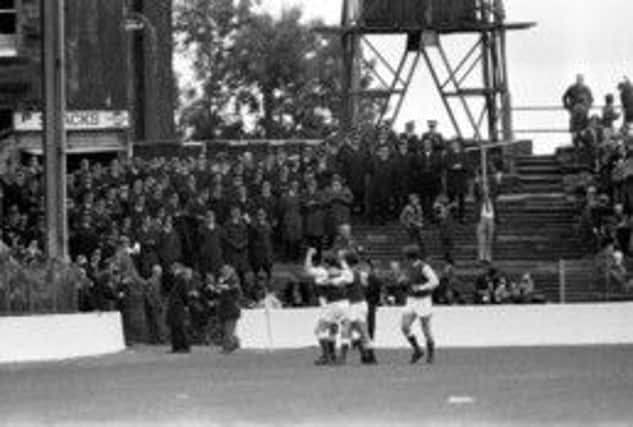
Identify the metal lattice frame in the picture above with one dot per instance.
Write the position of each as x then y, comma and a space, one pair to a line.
486, 58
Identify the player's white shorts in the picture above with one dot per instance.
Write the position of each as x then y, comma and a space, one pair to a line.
422, 307
335, 312
358, 312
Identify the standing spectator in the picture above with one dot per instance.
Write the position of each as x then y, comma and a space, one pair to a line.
236, 245
313, 209
618, 227
432, 135
340, 202
210, 246
177, 303
261, 245
457, 177
291, 222
380, 186
430, 167
578, 100
154, 310
446, 230
404, 168
626, 98
486, 224
627, 186
148, 238
228, 307
355, 162
169, 244
267, 201
412, 220
83, 241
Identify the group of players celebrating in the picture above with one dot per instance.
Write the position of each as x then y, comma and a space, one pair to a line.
341, 279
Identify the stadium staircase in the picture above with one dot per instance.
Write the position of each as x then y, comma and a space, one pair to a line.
537, 229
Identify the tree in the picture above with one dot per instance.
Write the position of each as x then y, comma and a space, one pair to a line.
279, 71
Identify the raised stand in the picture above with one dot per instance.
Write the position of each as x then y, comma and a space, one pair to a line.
59, 337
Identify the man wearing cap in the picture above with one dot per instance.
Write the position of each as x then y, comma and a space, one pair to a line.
430, 164
436, 138
457, 172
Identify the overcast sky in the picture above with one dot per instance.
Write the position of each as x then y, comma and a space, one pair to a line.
593, 37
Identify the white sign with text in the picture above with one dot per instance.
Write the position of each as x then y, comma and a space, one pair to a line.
75, 120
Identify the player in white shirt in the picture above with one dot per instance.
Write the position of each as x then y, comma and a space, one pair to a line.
332, 278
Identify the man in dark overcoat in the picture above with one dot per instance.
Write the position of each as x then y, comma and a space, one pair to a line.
457, 177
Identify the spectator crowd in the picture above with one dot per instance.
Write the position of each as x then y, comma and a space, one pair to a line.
139, 226
603, 167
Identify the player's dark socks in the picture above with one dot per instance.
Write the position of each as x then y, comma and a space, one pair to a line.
368, 357
331, 351
417, 351
356, 344
430, 351
414, 343
324, 358
343, 356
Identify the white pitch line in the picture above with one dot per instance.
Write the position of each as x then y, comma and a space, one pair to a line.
461, 400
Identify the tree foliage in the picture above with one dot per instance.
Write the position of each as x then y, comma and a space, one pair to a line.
277, 70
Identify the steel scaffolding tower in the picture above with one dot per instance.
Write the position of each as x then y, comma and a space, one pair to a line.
454, 79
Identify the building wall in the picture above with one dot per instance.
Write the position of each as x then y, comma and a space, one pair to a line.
96, 50
97, 74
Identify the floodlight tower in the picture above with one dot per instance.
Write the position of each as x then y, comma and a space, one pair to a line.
480, 76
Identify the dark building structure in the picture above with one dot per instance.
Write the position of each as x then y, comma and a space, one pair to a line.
111, 67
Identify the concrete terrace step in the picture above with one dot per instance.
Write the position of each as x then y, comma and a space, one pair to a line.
539, 169
549, 178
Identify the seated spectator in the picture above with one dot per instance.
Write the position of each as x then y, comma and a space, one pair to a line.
451, 290
485, 285
618, 280
503, 290
412, 219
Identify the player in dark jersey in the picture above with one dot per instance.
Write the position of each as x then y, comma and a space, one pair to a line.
421, 281
331, 278
356, 319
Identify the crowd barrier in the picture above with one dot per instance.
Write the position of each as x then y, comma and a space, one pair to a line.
460, 327
58, 337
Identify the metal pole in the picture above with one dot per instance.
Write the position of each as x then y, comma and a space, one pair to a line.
438, 84
54, 142
347, 114
562, 282
128, 36
414, 66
